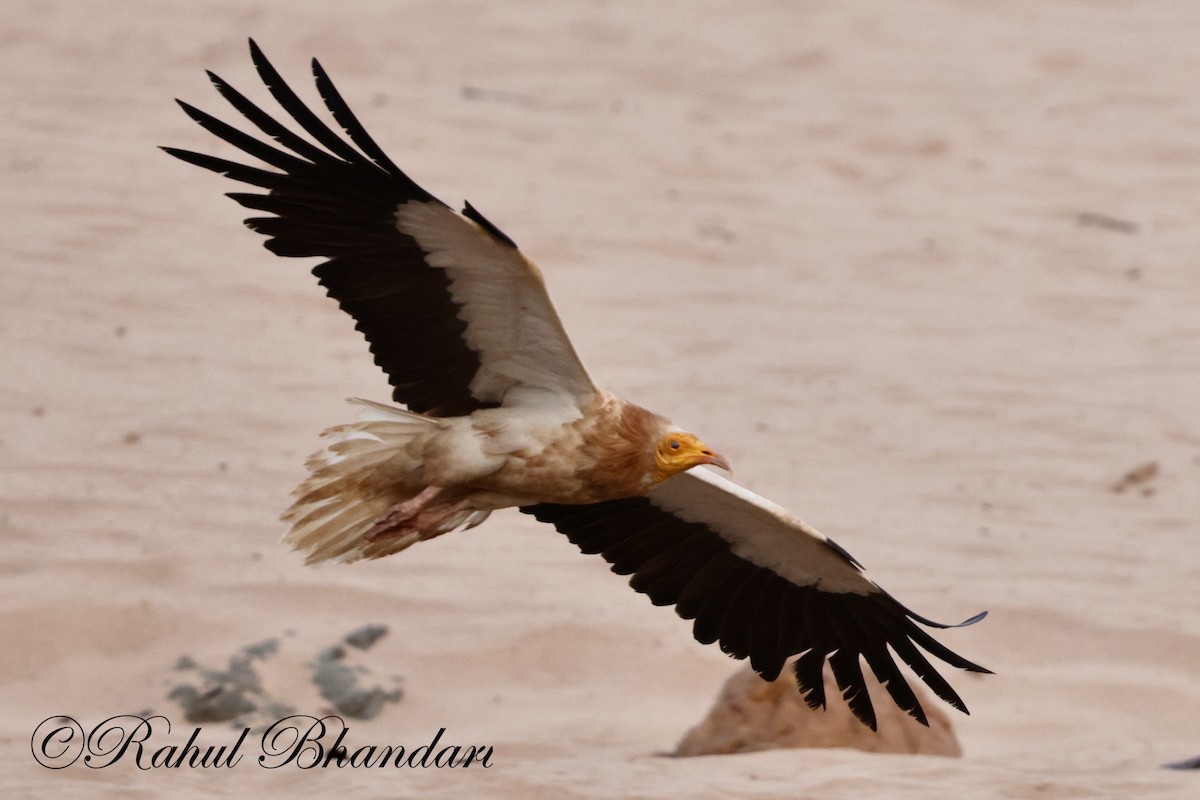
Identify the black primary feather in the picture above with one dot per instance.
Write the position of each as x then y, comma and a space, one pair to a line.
755, 613
335, 199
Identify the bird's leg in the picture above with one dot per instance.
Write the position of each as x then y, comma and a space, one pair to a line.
442, 518
400, 518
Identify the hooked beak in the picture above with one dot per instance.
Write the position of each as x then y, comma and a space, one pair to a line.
716, 460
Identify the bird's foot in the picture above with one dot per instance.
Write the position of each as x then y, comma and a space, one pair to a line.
420, 516
403, 518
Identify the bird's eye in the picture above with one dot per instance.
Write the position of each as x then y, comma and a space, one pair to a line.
674, 444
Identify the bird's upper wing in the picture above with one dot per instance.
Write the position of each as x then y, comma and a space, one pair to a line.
454, 313
762, 584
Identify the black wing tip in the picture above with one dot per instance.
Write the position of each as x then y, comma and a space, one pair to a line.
926, 621
977, 618
945, 626
261, 63
190, 156
204, 119
470, 212
223, 86
950, 657
189, 109
844, 553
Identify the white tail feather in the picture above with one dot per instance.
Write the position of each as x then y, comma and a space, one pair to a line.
353, 482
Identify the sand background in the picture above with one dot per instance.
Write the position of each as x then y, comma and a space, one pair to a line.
926, 271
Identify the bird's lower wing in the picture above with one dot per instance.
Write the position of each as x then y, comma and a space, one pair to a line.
454, 313
764, 585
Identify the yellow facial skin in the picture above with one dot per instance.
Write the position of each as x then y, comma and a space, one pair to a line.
678, 452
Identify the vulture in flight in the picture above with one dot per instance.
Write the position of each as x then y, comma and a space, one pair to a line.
495, 410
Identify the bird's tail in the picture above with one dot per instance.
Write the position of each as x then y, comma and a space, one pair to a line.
364, 470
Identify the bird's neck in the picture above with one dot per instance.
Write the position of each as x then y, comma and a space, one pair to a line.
620, 448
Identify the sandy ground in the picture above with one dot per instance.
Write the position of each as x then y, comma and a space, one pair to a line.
926, 271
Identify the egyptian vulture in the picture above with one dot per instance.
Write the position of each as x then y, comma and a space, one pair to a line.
499, 412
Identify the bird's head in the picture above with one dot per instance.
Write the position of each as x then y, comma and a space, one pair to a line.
677, 452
